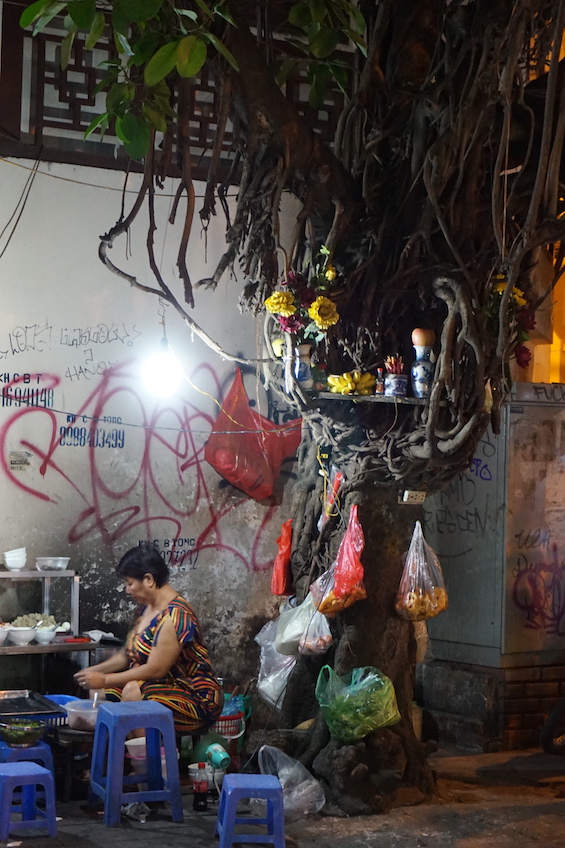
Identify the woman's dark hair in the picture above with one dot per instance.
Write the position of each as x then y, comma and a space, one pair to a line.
142, 560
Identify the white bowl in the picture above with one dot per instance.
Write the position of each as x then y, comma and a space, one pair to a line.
15, 566
21, 635
51, 563
3, 633
16, 551
43, 635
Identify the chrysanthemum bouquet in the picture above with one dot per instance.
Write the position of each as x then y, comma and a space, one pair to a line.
303, 307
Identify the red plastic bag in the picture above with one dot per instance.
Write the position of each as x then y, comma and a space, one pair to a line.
349, 571
281, 578
342, 585
246, 448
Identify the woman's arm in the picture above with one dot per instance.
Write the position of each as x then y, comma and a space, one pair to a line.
161, 658
117, 662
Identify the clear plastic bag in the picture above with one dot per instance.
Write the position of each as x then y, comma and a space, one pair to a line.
357, 703
274, 668
317, 637
302, 793
421, 593
292, 624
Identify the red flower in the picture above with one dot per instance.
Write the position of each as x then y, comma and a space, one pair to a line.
523, 355
526, 319
290, 324
306, 297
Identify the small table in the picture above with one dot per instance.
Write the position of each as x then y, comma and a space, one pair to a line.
71, 741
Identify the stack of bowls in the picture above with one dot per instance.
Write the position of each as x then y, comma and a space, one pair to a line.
15, 560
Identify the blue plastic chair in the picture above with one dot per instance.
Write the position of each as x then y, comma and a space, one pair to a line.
27, 776
113, 724
236, 787
39, 753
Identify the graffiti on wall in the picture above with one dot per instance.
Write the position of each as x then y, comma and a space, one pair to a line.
539, 586
159, 453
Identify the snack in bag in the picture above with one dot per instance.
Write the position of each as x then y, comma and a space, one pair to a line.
357, 703
421, 593
342, 584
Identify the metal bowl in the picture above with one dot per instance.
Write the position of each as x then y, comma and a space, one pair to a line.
21, 733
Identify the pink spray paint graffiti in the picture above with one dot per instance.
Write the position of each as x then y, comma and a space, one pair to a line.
161, 455
539, 591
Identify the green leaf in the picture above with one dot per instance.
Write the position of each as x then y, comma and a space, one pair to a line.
135, 134
318, 89
139, 11
145, 48
161, 64
323, 43
107, 79
50, 12
318, 10
285, 69
187, 13
119, 97
66, 47
120, 20
191, 55
300, 15
101, 121
122, 44
32, 12
356, 39
206, 9
223, 50
154, 117
96, 30
82, 12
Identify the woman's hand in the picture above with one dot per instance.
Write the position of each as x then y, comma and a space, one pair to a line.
90, 679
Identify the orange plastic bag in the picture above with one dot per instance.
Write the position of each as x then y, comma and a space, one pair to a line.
281, 578
342, 585
246, 448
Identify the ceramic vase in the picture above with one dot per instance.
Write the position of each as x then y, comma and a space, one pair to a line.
396, 385
302, 366
422, 371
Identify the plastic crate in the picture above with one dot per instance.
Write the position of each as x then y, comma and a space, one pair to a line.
229, 726
55, 719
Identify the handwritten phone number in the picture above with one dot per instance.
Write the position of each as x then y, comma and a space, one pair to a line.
80, 437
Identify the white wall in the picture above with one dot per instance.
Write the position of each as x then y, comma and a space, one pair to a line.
80, 334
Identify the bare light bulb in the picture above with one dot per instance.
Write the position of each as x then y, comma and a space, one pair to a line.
161, 372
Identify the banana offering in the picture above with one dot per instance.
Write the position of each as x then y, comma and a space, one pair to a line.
352, 382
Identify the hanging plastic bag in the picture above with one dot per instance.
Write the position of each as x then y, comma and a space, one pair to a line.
357, 703
302, 793
274, 668
421, 593
342, 585
281, 578
246, 448
292, 624
317, 637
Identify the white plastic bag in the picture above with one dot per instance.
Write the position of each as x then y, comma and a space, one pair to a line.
274, 668
317, 637
302, 793
292, 624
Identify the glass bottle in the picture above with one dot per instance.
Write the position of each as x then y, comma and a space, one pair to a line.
200, 789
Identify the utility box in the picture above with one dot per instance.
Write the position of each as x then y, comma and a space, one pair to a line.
499, 532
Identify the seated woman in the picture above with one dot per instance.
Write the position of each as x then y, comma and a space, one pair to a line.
164, 658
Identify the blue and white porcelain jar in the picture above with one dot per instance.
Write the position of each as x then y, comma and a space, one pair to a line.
422, 371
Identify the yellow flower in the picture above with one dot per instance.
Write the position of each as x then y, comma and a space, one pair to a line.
331, 273
323, 313
499, 287
281, 303
518, 296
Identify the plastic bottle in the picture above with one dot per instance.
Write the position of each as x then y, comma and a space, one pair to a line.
200, 789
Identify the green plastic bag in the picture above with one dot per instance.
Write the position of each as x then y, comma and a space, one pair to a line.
357, 703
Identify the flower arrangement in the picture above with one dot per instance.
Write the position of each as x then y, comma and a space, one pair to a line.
302, 308
520, 315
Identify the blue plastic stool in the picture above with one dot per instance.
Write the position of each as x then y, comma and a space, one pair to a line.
113, 724
236, 787
27, 776
39, 753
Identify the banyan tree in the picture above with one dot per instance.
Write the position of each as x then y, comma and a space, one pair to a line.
428, 209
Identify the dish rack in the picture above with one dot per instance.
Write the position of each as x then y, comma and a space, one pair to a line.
229, 726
